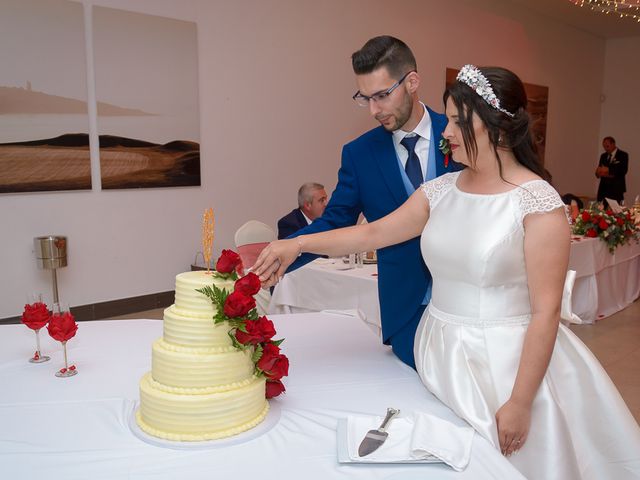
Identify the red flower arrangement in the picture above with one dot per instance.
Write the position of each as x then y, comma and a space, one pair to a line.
248, 330
36, 316
613, 228
62, 327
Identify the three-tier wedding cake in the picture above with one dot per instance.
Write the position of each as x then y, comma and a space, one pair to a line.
200, 386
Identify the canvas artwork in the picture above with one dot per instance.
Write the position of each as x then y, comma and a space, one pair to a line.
147, 66
43, 99
537, 103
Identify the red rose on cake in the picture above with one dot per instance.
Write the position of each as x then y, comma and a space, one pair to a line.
228, 261
256, 331
249, 284
35, 316
274, 388
274, 364
238, 305
279, 369
62, 327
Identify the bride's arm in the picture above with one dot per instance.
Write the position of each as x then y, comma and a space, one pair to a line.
546, 251
400, 225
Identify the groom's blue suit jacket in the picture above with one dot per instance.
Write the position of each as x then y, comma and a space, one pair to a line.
369, 181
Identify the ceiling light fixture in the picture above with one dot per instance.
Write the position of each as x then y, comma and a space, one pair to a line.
620, 8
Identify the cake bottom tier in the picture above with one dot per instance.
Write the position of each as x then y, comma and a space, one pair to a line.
191, 417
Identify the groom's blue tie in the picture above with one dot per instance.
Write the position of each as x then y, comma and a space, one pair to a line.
414, 172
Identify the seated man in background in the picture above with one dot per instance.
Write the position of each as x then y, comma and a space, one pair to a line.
312, 199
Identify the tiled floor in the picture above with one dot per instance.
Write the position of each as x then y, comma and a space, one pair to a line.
614, 340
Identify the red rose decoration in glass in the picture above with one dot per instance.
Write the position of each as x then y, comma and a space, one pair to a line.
274, 388
35, 316
257, 331
228, 261
238, 305
62, 327
603, 224
591, 233
249, 284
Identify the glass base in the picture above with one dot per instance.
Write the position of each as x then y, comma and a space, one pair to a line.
39, 359
68, 372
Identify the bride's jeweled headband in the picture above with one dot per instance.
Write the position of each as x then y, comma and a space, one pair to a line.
472, 76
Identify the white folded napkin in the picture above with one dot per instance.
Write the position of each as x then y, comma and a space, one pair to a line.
435, 437
418, 438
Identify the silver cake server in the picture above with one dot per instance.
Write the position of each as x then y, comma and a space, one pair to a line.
374, 438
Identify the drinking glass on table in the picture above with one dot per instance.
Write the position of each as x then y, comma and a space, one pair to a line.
35, 316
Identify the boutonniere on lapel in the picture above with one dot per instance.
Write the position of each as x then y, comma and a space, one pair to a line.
445, 148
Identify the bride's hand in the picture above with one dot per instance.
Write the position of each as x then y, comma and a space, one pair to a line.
513, 421
275, 259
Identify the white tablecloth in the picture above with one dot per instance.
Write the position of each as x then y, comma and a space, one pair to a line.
330, 284
77, 428
605, 284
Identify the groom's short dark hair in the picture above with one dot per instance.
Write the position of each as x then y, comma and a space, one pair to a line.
384, 51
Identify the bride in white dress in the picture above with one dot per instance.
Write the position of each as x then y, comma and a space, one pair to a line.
489, 345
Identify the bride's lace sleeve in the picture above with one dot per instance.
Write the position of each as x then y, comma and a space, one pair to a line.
435, 189
537, 197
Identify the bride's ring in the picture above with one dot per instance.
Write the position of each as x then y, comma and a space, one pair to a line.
518, 442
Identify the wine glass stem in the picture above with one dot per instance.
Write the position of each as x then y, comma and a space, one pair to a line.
64, 344
38, 341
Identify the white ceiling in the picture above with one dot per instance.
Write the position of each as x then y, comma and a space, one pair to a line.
599, 24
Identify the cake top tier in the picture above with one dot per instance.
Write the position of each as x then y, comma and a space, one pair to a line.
188, 300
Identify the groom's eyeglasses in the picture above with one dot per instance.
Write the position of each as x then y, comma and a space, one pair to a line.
363, 100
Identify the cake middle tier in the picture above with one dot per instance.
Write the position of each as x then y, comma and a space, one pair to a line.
181, 328
217, 368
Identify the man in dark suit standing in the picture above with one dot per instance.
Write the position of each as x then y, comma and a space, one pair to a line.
312, 200
611, 171
379, 171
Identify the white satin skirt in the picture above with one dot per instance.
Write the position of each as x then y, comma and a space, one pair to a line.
580, 426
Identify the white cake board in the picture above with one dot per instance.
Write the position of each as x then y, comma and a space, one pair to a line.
270, 421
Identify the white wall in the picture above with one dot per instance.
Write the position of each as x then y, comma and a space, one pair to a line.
621, 106
275, 88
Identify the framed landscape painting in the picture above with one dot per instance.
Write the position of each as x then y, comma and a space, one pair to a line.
43, 97
147, 90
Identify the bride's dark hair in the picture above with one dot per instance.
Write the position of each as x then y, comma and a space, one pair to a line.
504, 131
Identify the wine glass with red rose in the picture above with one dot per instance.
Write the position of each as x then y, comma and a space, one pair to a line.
35, 316
62, 327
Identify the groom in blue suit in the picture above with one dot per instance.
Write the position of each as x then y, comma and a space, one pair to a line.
379, 171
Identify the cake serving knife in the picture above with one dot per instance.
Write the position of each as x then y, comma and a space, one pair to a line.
375, 438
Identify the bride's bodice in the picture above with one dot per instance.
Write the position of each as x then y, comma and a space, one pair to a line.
473, 245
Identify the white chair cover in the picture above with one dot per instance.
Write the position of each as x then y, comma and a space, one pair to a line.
255, 234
